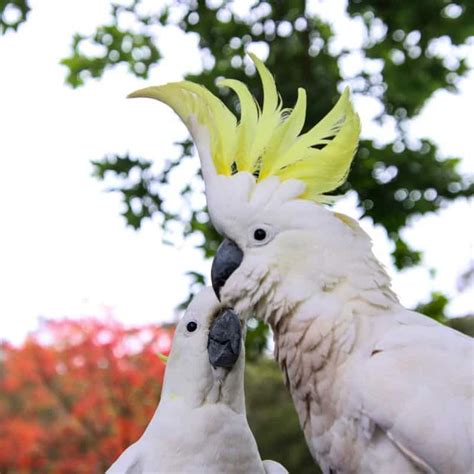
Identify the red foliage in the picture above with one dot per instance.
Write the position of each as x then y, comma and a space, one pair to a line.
77, 393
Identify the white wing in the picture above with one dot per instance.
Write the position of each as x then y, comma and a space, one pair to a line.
417, 386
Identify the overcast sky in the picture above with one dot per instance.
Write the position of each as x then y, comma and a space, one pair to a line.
65, 250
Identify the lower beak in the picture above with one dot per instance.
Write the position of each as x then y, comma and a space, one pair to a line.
227, 259
225, 339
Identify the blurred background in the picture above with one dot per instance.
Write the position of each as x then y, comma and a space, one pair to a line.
105, 236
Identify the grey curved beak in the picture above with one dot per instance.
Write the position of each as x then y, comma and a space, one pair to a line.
225, 339
227, 259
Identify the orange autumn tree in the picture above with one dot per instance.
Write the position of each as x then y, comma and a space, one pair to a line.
76, 393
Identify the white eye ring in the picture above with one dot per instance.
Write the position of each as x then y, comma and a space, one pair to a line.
261, 234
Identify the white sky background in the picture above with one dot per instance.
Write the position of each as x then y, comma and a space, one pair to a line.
64, 248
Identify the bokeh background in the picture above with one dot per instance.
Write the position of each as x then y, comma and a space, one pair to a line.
104, 232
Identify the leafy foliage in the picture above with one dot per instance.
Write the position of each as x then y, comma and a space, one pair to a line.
150, 201
435, 308
114, 45
397, 181
76, 393
12, 14
412, 41
273, 420
256, 339
405, 62
464, 324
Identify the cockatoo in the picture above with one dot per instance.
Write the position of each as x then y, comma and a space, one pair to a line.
377, 388
200, 425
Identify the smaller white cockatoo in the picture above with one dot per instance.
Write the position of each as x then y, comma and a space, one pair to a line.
200, 425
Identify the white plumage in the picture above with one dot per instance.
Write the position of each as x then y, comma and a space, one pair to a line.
200, 425
377, 388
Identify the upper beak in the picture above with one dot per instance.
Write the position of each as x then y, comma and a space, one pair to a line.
227, 259
225, 338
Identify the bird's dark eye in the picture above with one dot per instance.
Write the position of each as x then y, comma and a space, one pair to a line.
191, 326
259, 234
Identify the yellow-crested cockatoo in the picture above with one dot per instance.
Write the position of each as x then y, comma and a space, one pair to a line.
378, 388
200, 425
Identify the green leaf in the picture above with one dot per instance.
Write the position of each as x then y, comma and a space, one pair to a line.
12, 14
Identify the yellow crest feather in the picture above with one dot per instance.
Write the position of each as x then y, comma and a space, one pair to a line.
284, 136
266, 141
248, 123
190, 101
